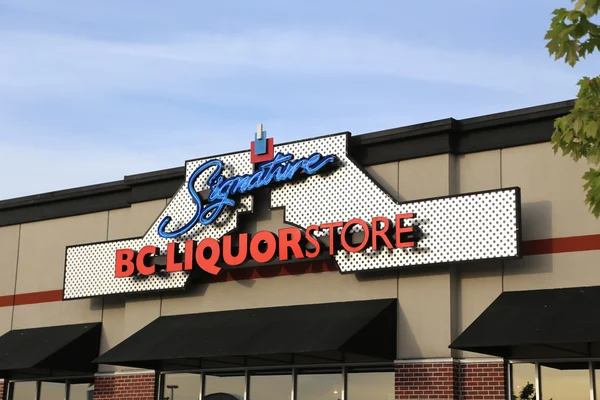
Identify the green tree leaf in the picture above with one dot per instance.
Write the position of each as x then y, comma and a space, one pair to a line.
580, 4
591, 129
592, 188
572, 35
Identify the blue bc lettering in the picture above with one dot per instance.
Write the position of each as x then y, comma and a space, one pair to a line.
282, 168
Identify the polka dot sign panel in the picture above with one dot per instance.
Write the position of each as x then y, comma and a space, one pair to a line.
468, 227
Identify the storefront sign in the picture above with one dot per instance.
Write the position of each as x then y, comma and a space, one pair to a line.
281, 169
331, 207
265, 246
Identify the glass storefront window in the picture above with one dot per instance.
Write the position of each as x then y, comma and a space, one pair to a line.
52, 391
271, 386
320, 385
81, 390
523, 381
184, 386
24, 390
231, 385
312, 384
568, 382
371, 385
558, 381
596, 367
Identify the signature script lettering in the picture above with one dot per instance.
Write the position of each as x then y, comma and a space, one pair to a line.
282, 168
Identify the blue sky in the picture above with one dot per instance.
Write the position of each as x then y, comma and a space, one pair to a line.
94, 90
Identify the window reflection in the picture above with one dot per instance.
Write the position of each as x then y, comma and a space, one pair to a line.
523, 381
371, 386
320, 385
52, 391
565, 384
81, 391
597, 375
24, 390
231, 385
271, 386
185, 386
312, 384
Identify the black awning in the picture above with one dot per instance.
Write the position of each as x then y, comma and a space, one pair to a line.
50, 351
302, 334
537, 324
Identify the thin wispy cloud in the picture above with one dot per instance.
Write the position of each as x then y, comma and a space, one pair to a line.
67, 64
91, 91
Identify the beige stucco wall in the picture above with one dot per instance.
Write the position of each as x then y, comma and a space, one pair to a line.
552, 207
549, 271
386, 175
124, 316
57, 313
9, 248
435, 304
5, 319
40, 268
424, 321
478, 171
113, 323
425, 177
135, 220
310, 288
42, 248
477, 286
551, 192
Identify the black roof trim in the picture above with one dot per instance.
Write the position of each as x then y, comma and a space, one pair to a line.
92, 190
552, 110
450, 136
447, 136
150, 177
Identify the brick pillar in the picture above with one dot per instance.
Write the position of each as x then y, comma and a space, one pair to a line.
2, 389
484, 381
425, 381
450, 380
124, 387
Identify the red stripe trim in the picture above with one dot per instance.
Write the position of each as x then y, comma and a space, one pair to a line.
530, 248
31, 298
7, 301
38, 297
561, 245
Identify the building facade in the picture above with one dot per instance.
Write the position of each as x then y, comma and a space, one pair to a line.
483, 287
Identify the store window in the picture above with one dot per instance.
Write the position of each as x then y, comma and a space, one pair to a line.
81, 390
565, 381
52, 390
370, 385
523, 381
24, 390
320, 384
596, 367
182, 386
271, 385
231, 385
557, 380
70, 389
323, 383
